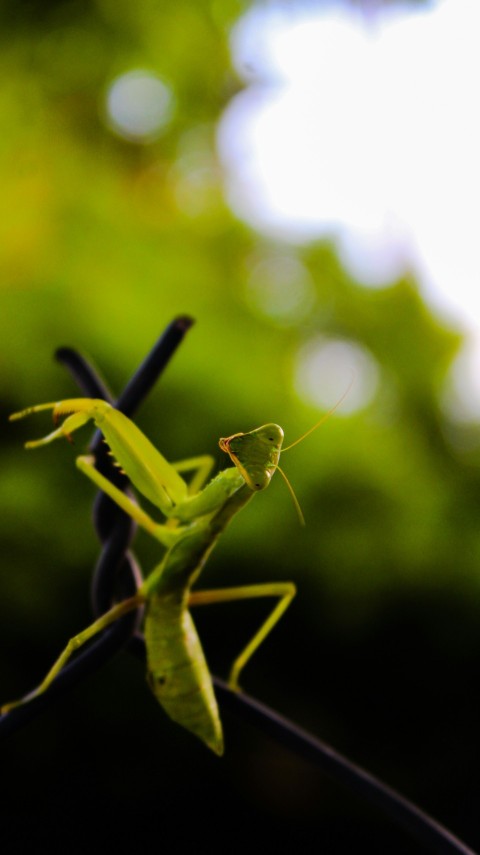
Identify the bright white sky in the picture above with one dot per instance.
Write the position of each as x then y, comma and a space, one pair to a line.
366, 129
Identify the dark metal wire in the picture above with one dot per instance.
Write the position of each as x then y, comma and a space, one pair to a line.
402, 811
117, 564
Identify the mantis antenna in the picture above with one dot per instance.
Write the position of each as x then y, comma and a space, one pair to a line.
322, 420
295, 501
300, 439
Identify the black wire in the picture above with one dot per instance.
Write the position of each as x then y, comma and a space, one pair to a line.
363, 784
403, 812
151, 368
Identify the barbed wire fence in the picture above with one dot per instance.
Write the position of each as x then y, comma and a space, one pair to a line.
117, 575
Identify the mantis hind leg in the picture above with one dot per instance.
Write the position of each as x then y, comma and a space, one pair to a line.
284, 590
77, 641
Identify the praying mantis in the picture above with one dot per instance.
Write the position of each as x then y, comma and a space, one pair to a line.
195, 515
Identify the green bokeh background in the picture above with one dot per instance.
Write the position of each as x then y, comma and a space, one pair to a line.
102, 243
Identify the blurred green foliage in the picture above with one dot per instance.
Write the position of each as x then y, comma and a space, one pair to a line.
102, 242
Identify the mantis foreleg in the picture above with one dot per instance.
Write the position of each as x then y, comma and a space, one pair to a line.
165, 535
285, 590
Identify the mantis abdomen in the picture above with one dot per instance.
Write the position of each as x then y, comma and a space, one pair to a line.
177, 671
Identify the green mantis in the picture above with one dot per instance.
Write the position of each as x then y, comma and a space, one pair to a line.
195, 515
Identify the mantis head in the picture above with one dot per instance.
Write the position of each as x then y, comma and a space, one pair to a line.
255, 454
